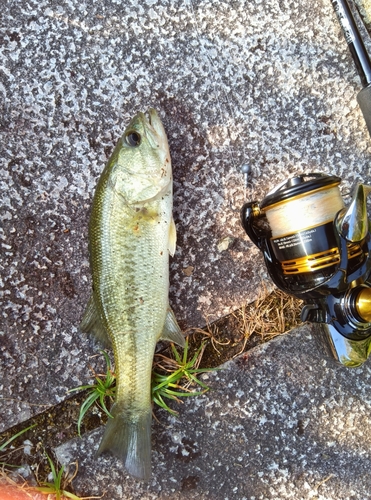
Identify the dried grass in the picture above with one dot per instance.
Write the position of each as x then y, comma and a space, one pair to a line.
16, 488
269, 316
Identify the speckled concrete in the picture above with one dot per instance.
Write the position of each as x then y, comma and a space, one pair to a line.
267, 83
281, 422
364, 7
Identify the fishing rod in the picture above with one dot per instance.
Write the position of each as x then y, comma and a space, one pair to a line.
359, 54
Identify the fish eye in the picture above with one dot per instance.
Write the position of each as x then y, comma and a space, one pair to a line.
133, 139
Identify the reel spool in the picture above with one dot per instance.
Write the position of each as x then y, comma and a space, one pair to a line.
301, 216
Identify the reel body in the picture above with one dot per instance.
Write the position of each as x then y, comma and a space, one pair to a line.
319, 251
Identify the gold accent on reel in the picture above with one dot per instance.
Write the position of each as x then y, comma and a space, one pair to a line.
318, 261
363, 304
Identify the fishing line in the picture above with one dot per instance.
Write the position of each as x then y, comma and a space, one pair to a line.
309, 210
213, 71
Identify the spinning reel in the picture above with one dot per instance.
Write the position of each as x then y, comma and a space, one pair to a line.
319, 251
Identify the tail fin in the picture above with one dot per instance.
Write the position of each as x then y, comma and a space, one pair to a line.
128, 437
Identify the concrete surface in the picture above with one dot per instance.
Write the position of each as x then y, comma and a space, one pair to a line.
281, 422
364, 7
270, 84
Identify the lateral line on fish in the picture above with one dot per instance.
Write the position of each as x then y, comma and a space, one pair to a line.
126, 391
216, 76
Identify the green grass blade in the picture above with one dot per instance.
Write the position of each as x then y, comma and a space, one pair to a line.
185, 352
59, 477
4, 445
45, 489
197, 381
202, 370
178, 394
70, 495
195, 356
89, 401
84, 409
103, 405
80, 388
100, 386
54, 474
176, 354
174, 397
3, 464
170, 379
160, 402
107, 358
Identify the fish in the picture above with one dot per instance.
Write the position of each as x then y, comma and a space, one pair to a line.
131, 236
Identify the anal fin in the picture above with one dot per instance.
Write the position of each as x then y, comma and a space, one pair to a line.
172, 331
91, 323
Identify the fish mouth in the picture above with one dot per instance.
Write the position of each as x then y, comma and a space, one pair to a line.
152, 120
151, 114
149, 124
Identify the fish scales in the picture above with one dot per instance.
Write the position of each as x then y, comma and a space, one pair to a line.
131, 233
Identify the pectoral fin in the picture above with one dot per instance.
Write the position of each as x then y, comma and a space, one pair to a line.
172, 331
172, 237
91, 323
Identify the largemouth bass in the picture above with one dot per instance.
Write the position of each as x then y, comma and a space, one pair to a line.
131, 234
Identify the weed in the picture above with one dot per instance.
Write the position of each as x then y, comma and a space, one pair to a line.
171, 379
104, 387
176, 375
60, 482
